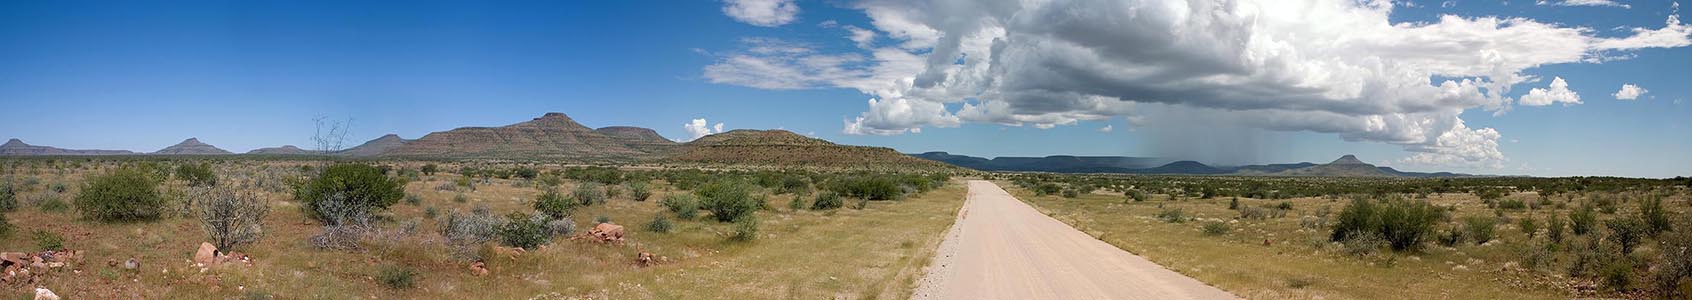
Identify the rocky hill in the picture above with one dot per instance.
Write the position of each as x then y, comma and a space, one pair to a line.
1345, 166
16, 147
551, 136
284, 150
376, 147
781, 148
639, 138
191, 146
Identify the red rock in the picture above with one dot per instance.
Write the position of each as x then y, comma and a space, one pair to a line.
207, 255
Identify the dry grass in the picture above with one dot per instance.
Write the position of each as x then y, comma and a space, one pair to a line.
1300, 263
876, 253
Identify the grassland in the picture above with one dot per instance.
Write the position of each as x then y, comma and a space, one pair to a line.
1292, 257
872, 253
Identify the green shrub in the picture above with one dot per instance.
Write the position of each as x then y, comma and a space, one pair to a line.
869, 187
1450, 238
466, 233
126, 194
1071, 193
797, 203
1284, 206
430, 169
1656, 220
348, 189
1626, 232
1365, 243
728, 199
397, 276
1480, 228
1512, 204
1583, 221
554, 205
1215, 228
659, 224
460, 198
1528, 226
1673, 276
1618, 274
1234, 204
1591, 255
589, 193
47, 240
745, 228
826, 200
638, 190
6, 227
683, 205
526, 173
522, 231
197, 174
53, 204
8, 198
413, 199
601, 219
1047, 188
1136, 195
1404, 224
1554, 230
1172, 215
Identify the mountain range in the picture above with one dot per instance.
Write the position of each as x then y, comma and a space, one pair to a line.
1345, 166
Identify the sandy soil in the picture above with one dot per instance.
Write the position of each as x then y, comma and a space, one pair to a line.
1000, 248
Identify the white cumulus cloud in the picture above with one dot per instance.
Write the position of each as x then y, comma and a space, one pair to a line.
767, 13
1629, 92
699, 128
1559, 93
1328, 66
1610, 3
1107, 128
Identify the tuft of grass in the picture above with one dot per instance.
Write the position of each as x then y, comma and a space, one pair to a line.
1215, 228
659, 224
745, 228
1172, 215
395, 276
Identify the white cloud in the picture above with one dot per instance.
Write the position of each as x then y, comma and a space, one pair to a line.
1629, 92
1559, 93
767, 13
1107, 128
1340, 67
864, 37
698, 128
1609, 3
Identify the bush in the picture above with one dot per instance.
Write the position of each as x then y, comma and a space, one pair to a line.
745, 228
126, 194
1047, 188
197, 174
1071, 193
797, 203
561, 227
554, 205
522, 231
53, 204
1172, 215
1480, 228
1365, 243
728, 200
589, 193
659, 224
683, 205
1554, 230
1618, 274
869, 187
1450, 238
1673, 277
6, 226
232, 218
526, 173
1234, 204
47, 240
1582, 221
827, 200
397, 277
1284, 206
638, 190
1626, 232
1136, 195
430, 169
8, 198
1512, 204
1402, 223
360, 190
413, 199
1656, 220
1215, 228
1528, 226
466, 233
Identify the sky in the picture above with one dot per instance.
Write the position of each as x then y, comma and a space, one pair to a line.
1545, 88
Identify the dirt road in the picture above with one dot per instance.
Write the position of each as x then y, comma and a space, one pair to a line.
1000, 248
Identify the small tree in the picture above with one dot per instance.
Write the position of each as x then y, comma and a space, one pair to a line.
233, 218
727, 199
125, 194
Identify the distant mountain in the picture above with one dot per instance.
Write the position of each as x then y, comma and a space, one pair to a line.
638, 138
1055, 163
376, 147
284, 150
1345, 166
787, 149
191, 146
1184, 167
551, 136
16, 147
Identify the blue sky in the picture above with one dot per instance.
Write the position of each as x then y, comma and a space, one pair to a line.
242, 75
